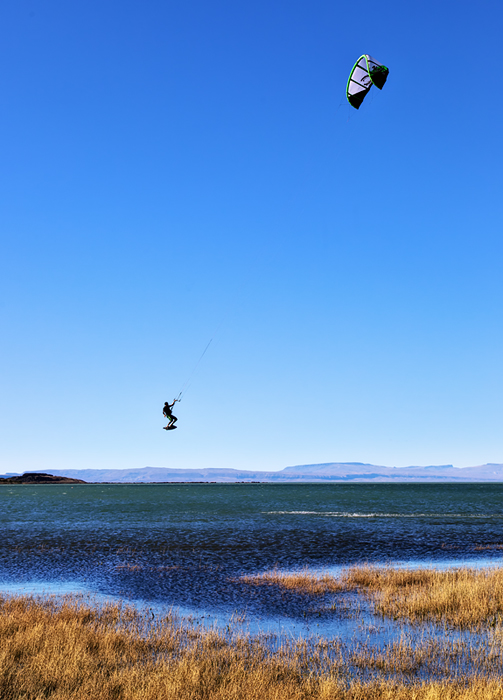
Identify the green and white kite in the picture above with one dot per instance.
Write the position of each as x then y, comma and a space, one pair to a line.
365, 73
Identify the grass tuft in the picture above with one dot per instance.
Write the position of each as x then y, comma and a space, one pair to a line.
301, 582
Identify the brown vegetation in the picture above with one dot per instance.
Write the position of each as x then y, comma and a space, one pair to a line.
461, 598
67, 650
302, 581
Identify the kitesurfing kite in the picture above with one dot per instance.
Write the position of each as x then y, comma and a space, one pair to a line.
365, 73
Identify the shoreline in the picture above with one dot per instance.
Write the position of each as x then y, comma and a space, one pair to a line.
76, 649
295, 623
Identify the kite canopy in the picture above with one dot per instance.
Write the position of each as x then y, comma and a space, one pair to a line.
365, 73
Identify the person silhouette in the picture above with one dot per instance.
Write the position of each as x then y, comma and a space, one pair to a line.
169, 415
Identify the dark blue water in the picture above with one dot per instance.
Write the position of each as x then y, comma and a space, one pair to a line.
186, 545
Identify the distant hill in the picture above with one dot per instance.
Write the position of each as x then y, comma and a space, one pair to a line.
327, 472
39, 478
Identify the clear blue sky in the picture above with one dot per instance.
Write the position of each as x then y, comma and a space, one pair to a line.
175, 172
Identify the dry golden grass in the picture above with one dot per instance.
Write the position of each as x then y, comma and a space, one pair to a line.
72, 651
302, 582
461, 598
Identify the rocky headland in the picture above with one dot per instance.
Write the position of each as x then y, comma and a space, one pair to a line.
40, 478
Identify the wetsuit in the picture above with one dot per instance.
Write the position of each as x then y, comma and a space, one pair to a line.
167, 412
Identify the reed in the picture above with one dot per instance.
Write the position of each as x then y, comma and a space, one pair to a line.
68, 650
461, 598
301, 582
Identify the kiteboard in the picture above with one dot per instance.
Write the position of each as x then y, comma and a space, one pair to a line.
170, 427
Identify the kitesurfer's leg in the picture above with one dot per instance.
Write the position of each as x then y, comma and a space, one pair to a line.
172, 420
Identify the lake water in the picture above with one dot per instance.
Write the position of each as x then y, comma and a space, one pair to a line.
185, 545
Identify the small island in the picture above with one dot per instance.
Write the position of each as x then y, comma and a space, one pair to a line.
40, 478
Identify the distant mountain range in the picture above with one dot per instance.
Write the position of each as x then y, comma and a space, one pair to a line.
329, 472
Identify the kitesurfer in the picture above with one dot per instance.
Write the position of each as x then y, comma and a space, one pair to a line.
169, 415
